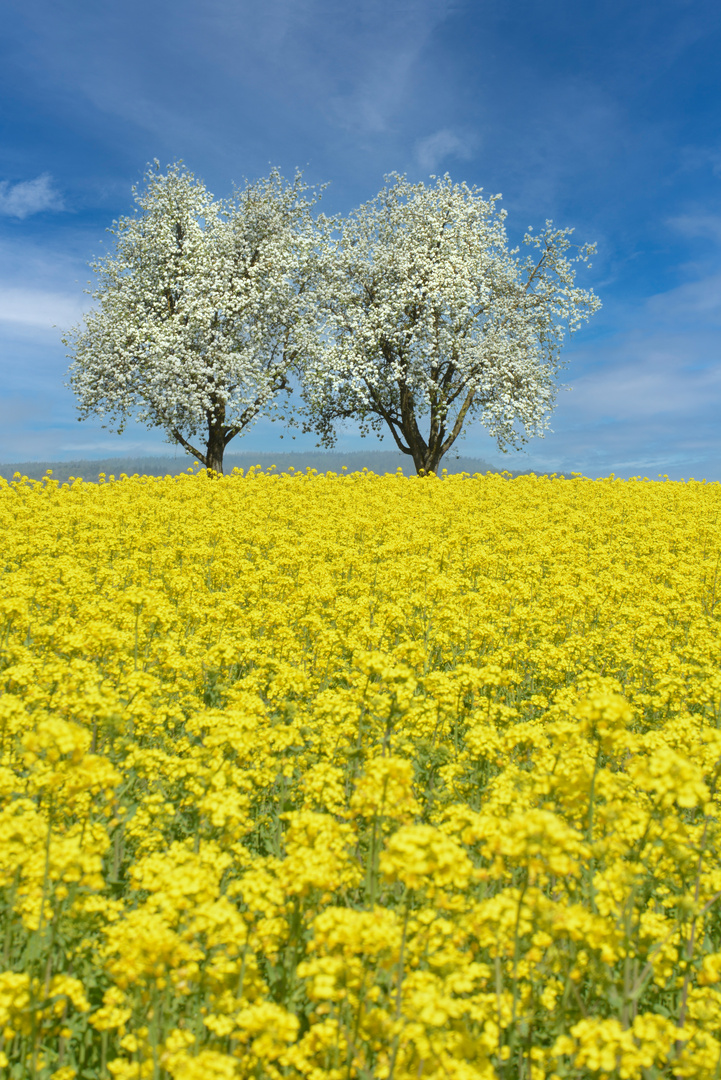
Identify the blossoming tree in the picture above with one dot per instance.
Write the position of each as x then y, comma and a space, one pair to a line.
433, 321
203, 310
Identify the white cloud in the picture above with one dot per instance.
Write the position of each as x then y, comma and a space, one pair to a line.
29, 197
687, 304
357, 64
442, 144
40, 308
707, 226
663, 363
644, 399
120, 446
697, 157
654, 383
382, 46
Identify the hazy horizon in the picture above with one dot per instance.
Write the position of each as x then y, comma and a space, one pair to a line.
377, 461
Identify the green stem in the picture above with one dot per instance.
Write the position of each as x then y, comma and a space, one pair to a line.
401, 962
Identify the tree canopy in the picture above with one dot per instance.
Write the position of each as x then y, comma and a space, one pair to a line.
432, 321
411, 314
204, 307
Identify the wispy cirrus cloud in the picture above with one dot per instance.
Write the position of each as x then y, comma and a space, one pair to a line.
700, 157
349, 68
433, 149
704, 226
40, 308
644, 398
694, 305
382, 46
29, 197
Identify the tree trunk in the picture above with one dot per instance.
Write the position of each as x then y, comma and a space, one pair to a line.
426, 455
215, 446
426, 458
219, 435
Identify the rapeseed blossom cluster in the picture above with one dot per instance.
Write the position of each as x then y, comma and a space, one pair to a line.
331, 777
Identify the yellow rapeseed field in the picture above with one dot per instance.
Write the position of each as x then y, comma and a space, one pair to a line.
339, 777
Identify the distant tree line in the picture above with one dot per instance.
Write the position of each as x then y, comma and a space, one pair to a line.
409, 316
376, 461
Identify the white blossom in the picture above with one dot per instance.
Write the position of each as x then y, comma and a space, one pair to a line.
204, 307
432, 321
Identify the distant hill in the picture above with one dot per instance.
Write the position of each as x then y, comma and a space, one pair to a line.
376, 461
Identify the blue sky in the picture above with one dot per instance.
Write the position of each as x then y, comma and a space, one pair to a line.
602, 116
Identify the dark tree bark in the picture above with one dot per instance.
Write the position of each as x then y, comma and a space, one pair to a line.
220, 433
215, 447
427, 452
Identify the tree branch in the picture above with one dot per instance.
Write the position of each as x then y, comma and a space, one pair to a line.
188, 446
387, 416
460, 419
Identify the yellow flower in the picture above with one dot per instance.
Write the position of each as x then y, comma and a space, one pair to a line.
318, 854
421, 855
385, 790
340, 776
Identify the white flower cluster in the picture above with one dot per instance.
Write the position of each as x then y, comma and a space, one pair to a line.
432, 320
411, 313
203, 309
